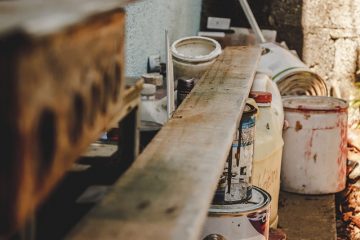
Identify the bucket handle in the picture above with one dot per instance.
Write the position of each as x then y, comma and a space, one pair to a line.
250, 17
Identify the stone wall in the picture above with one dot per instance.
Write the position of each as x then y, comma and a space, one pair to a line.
325, 33
331, 42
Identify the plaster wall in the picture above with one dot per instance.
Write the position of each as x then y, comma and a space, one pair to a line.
146, 24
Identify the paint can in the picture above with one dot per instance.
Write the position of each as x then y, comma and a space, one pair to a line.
184, 87
291, 75
244, 221
315, 145
234, 185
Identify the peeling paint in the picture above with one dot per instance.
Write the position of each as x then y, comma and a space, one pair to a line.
318, 151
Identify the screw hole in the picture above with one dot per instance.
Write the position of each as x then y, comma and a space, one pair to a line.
76, 121
46, 140
117, 80
107, 89
95, 103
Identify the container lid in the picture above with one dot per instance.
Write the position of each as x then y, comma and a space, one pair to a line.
249, 110
261, 97
196, 49
186, 82
259, 200
316, 103
148, 89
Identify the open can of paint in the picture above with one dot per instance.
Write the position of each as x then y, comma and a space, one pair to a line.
241, 221
234, 185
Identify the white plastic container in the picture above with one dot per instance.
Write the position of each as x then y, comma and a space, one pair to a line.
315, 150
263, 83
267, 151
291, 75
192, 56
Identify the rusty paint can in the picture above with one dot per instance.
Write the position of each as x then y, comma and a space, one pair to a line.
240, 221
184, 87
234, 185
315, 145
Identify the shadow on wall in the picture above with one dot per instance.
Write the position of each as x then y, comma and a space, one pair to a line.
283, 16
146, 24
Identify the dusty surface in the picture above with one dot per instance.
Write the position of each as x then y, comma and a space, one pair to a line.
307, 217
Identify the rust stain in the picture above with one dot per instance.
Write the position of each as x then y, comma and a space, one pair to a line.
307, 116
341, 160
298, 126
300, 109
315, 157
143, 205
170, 210
309, 145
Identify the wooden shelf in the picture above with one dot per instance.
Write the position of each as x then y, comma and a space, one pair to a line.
167, 191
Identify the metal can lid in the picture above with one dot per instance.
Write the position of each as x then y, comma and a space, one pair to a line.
148, 89
316, 103
261, 97
187, 83
249, 110
259, 200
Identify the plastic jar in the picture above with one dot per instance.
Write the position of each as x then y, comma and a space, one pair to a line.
267, 151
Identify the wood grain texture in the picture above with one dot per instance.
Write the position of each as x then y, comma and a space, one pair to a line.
58, 92
42, 17
167, 191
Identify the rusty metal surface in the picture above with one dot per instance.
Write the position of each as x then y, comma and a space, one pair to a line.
315, 149
58, 92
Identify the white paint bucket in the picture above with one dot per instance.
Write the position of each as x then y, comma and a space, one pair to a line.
315, 148
291, 75
246, 221
192, 56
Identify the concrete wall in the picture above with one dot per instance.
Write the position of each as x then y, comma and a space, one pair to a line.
146, 24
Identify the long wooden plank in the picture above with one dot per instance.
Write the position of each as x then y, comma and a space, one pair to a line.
167, 191
58, 93
41, 17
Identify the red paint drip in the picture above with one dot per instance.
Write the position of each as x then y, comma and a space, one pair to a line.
343, 153
309, 144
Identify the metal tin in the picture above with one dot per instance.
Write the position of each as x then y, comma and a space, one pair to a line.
234, 185
184, 87
315, 149
245, 221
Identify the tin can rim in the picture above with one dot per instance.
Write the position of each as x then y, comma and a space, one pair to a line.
314, 103
249, 110
196, 40
241, 209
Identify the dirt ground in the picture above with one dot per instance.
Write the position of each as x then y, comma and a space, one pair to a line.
348, 201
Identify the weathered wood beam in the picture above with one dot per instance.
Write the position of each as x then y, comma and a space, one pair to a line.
166, 193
